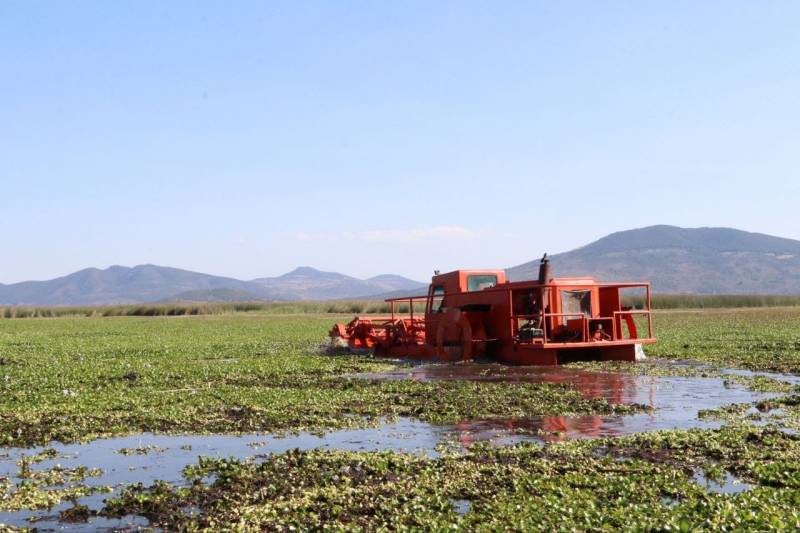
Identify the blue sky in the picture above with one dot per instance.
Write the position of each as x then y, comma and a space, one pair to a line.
247, 138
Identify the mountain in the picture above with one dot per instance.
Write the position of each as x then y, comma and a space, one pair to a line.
306, 283
151, 283
674, 260
118, 285
684, 260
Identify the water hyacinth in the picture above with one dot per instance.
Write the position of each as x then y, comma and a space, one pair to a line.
74, 379
84, 378
643, 482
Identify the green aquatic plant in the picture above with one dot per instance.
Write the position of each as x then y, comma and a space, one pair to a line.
42, 489
756, 339
641, 482
90, 377
141, 450
74, 379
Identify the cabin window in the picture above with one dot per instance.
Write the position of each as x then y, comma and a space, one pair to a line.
577, 302
437, 299
479, 282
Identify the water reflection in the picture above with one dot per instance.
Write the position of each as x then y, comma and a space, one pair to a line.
674, 401
613, 386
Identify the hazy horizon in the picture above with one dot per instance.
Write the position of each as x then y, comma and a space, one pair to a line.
422, 280
247, 139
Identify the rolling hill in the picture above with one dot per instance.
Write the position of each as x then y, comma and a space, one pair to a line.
151, 283
684, 260
117, 285
306, 283
673, 259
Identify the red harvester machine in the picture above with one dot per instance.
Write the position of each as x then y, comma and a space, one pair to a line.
478, 313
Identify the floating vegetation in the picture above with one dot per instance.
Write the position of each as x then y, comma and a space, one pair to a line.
527, 486
42, 489
756, 339
72, 380
141, 450
76, 514
761, 383
139, 375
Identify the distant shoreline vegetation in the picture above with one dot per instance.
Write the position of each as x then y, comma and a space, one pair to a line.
659, 301
714, 301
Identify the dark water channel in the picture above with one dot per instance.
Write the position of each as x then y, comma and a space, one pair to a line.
675, 402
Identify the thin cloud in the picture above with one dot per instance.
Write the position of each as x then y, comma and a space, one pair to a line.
411, 235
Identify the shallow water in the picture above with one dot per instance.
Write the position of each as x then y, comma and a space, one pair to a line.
49, 520
788, 378
730, 484
175, 452
461, 506
675, 402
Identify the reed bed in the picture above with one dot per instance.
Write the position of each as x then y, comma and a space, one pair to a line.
714, 301
188, 309
659, 301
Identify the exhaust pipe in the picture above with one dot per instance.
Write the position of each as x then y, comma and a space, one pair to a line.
544, 296
544, 270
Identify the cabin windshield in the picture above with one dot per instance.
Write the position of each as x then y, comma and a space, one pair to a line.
576, 301
479, 282
437, 299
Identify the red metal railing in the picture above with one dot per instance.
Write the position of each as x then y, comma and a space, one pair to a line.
616, 318
616, 335
410, 299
